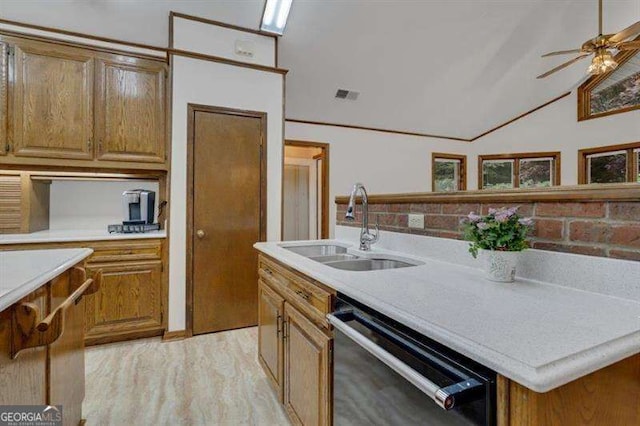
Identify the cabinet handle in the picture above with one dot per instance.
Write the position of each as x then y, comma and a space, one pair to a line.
304, 294
278, 325
284, 329
88, 143
50, 328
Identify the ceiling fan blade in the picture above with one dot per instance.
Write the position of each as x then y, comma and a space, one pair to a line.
559, 67
629, 45
626, 33
562, 52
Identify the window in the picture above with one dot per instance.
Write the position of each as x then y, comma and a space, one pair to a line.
609, 164
527, 170
448, 172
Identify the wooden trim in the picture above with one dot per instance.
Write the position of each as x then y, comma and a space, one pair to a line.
172, 336
580, 193
221, 24
531, 111
191, 110
583, 173
428, 135
226, 61
503, 401
325, 155
83, 35
462, 183
376, 129
584, 91
557, 158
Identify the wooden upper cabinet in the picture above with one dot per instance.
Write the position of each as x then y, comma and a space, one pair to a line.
4, 90
130, 109
52, 101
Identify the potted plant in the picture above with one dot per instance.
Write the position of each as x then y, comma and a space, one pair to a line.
501, 236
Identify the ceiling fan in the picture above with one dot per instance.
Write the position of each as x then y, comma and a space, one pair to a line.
601, 47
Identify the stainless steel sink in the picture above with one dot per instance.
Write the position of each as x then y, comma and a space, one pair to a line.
317, 250
369, 264
334, 258
337, 257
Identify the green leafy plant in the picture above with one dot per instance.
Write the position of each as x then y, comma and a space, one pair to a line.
500, 230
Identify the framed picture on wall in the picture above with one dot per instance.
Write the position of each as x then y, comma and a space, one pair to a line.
615, 92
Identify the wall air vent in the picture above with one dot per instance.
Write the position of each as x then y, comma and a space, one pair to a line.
347, 94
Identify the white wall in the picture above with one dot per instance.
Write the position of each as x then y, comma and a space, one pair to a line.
556, 128
90, 204
384, 162
209, 83
388, 163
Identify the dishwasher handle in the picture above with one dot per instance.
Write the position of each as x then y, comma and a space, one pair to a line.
444, 397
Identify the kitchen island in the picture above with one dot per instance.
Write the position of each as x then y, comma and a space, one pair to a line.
563, 355
41, 328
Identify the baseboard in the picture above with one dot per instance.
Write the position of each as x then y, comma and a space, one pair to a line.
170, 336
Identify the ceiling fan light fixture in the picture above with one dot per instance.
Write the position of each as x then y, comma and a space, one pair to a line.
602, 62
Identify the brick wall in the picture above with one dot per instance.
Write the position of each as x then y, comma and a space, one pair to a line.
608, 229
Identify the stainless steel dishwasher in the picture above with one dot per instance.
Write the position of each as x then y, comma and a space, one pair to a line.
387, 374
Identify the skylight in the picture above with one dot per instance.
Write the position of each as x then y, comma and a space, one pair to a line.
275, 16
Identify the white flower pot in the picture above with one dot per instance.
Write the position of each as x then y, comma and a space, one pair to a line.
500, 266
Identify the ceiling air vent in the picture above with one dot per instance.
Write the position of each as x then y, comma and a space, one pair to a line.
347, 94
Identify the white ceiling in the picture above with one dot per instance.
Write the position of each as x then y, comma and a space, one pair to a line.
449, 67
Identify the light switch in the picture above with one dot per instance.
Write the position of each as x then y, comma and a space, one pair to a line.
416, 221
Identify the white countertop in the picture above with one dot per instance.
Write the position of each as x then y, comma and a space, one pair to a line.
537, 334
71, 235
22, 272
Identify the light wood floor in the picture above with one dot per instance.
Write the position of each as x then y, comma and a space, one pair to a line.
213, 379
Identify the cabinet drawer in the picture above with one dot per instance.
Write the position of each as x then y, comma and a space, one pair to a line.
126, 251
298, 290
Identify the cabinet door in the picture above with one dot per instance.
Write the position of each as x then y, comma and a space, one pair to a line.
307, 370
130, 109
4, 90
66, 354
129, 299
270, 319
23, 380
53, 101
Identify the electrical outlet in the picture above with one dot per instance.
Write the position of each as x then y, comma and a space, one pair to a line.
416, 221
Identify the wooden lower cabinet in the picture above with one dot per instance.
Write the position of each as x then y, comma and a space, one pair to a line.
49, 370
129, 303
610, 396
23, 380
270, 342
295, 342
307, 372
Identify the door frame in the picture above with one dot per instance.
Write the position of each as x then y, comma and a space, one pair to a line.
324, 231
191, 111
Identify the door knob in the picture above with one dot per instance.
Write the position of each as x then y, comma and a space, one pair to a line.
200, 233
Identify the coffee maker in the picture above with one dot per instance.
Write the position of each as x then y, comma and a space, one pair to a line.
138, 211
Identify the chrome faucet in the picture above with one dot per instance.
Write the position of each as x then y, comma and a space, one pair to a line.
366, 237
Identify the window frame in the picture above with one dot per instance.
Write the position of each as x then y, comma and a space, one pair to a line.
555, 156
462, 178
631, 150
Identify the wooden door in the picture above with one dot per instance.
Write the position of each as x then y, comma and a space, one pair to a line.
270, 319
130, 109
129, 299
307, 370
4, 91
66, 354
23, 380
53, 101
228, 190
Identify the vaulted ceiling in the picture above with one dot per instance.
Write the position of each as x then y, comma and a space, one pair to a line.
449, 67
